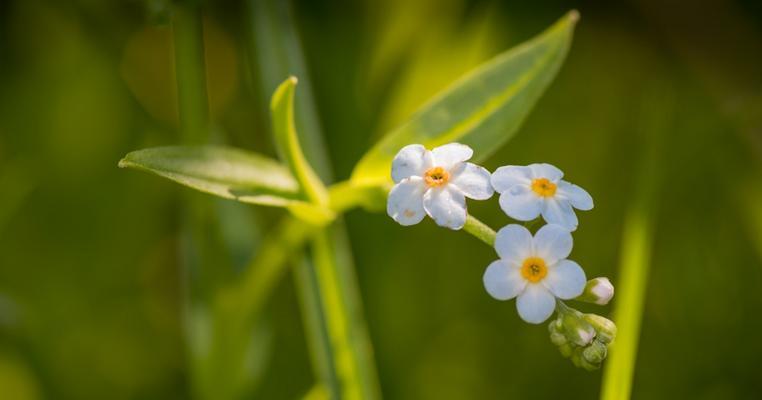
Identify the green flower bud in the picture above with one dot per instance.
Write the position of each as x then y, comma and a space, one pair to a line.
579, 360
566, 349
605, 328
576, 329
558, 338
583, 338
555, 326
595, 353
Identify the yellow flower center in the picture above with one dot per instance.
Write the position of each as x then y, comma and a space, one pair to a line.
543, 187
534, 269
436, 177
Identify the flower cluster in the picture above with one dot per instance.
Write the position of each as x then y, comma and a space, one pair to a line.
582, 337
534, 269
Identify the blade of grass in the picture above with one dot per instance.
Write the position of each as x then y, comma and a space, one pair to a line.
631, 289
637, 244
190, 71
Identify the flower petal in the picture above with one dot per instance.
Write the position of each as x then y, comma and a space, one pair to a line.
535, 304
513, 243
503, 281
511, 175
521, 203
578, 197
405, 202
566, 280
446, 205
412, 160
450, 154
546, 171
559, 211
472, 180
553, 243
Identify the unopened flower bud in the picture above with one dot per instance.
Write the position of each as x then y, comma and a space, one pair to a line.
577, 330
598, 291
583, 338
580, 361
595, 353
555, 326
558, 338
605, 328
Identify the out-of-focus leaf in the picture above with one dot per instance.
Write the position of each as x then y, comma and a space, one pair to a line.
406, 68
284, 130
221, 171
484, 108
229, 173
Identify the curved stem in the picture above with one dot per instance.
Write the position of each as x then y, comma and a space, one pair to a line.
561, 307
480, 230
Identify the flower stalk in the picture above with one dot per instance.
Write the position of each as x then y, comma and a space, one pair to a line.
479, 230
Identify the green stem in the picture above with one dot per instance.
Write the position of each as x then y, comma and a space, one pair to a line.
561, 307
191, 74
344, 362
348, 340
631, 290
637, 243
316, 331
268, 266
480, 230
265, 270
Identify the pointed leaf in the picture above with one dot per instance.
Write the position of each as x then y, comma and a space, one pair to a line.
229, 173
484, 108
287, 141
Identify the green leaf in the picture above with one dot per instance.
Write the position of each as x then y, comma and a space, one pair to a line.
287, 141
483, 109
229, 173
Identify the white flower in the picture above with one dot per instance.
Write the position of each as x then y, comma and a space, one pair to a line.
534, 269
527, 192
436, 183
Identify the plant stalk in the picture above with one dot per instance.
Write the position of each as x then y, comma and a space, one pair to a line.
480, 230
637, 244
190, 71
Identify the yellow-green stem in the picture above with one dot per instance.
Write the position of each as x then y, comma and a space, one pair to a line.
637, 243
631, 289
190, 71
342, 352
479, 230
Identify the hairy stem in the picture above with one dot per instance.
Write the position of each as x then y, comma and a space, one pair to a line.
480, 230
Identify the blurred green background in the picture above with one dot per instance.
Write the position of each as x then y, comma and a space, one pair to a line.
91, 285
